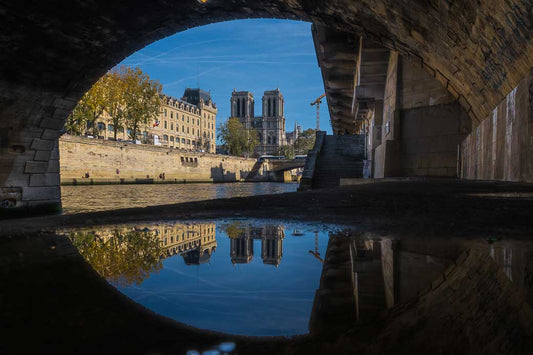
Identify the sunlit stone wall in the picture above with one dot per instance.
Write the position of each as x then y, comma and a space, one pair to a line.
113, 162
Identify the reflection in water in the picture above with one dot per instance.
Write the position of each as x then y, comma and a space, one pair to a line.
193, 282
176, 269
77, 199
242, 242
123, 257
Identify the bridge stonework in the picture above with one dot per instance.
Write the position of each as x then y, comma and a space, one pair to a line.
50, 56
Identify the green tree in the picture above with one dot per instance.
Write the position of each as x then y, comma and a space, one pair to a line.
237, 139
305, 141
124, 258
142, 99
287, 151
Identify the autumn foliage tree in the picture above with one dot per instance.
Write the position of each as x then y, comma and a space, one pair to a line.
123, 258
127, 95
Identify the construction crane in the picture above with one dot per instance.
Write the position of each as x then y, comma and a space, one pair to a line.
317, 102
316, 253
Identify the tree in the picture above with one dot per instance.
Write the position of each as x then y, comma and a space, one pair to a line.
142, 99
287, 151
237, 139
128, 96
90, 107
124, 258
305, 141
114, 96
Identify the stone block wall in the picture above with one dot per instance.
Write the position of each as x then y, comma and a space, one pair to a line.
501, 147
432, 124
118, 162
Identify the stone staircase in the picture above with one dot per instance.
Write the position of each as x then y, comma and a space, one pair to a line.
334, 306
341, 156
253, 173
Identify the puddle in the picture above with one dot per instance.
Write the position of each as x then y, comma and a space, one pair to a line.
278, 278
234, 276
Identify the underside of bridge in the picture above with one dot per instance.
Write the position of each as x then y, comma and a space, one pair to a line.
457, 73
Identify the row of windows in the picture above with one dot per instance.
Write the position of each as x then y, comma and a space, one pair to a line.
165, 124
184, 108
206, 116
193, 131
183, 238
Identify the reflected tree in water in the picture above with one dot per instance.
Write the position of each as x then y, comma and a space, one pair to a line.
123, 258
234, 229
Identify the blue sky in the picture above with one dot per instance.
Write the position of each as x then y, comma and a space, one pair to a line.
248, 55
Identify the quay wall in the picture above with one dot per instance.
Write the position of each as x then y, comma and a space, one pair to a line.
109, 162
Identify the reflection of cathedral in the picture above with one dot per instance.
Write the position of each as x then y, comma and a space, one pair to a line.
242, 246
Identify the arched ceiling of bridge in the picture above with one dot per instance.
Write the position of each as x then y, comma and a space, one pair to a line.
478, 49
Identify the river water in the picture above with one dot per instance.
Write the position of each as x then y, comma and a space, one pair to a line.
79, 199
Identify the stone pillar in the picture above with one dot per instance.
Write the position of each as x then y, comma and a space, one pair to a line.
29, 153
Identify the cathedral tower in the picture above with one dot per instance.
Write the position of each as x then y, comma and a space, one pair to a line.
242, 106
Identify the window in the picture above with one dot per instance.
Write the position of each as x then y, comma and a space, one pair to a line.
183, 129
187, 119
90, 124
171, 114
177, 128
183, 140
171, 126
273, 140
165, 113
187, 129
165, 138
165, 124
193, 131
110, 127
171, 139
101, 126
128, 131
183, 118
145, 134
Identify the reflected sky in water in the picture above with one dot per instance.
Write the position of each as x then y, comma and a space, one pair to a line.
78, 199
233, 276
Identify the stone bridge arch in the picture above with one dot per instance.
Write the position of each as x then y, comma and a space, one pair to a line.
51, 54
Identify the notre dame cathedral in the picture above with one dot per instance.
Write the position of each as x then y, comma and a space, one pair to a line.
270, 125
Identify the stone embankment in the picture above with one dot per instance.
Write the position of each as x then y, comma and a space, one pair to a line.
93, 161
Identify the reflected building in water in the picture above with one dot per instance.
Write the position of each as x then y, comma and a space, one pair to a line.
242, 244
194, 242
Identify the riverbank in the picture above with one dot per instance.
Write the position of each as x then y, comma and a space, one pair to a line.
423, 207
85, 161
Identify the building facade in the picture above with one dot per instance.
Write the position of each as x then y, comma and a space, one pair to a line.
187, 123
270, 125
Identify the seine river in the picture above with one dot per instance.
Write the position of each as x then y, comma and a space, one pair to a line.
90, 198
